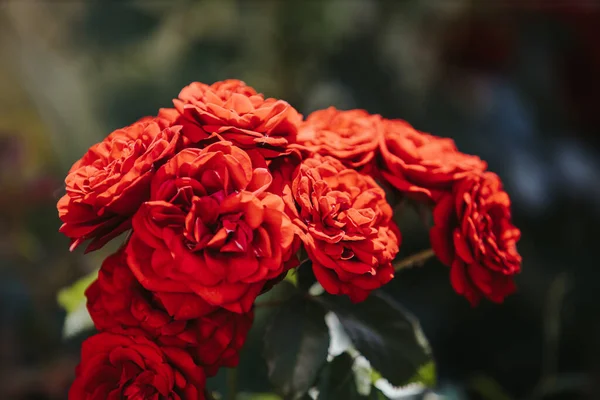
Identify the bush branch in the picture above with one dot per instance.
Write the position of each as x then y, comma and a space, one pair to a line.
417, 259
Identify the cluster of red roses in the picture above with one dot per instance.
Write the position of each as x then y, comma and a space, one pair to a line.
220, 192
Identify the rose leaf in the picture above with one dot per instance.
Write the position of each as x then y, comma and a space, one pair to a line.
296, 344
388, 336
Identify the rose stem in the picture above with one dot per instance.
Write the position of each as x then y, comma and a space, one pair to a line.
416, 259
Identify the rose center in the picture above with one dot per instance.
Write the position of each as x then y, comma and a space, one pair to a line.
228, 234
137, 391
136, 384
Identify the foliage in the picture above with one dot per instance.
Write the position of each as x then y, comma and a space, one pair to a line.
72, 300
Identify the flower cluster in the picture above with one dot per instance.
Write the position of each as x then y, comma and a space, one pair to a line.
472, 233
222, 193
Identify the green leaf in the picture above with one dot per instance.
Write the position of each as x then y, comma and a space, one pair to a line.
337, 380
377, 395
70, 298
386, 335
375, 376
296, 343
362, 374
292, 277
77, 322
270, 301
426, 375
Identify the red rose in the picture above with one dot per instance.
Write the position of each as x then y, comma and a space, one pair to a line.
119, 304
350, 136
473, 234
232, 111
108, 184
283, 171
219, 338
348, 232
210, 228
133, 367
420, 164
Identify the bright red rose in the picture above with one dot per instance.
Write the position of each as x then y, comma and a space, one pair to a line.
283, 170
474, 235
422, 165
108, 184
350, 136
133, 367
232, 111
347, 226
210, 228
119, 304
166, 117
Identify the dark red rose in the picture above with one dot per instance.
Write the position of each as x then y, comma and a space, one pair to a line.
232, 111
210, 228
133, 367
348, 232
422, 165
350, 136
474, 235
108, 184
220, 336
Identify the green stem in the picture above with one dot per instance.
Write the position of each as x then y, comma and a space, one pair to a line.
232, 382
416, 259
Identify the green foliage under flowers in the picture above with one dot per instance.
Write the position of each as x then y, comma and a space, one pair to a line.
296, 345
292, 277
297, 341
338, 381
388, 336
425, 375
72, 299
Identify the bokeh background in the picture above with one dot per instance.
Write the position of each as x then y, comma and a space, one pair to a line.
516, 82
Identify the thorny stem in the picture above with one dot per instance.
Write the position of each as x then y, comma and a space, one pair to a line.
417, 259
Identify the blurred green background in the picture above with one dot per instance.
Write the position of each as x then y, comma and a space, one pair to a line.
514, 82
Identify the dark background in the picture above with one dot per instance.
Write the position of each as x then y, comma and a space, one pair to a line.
515, 82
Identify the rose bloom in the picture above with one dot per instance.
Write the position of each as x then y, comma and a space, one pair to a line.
119, 304
350, 136
220, 336
230, 110
108, 184
210, 228
283, 170
133, 367
422, 165
474, 235
348, 232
